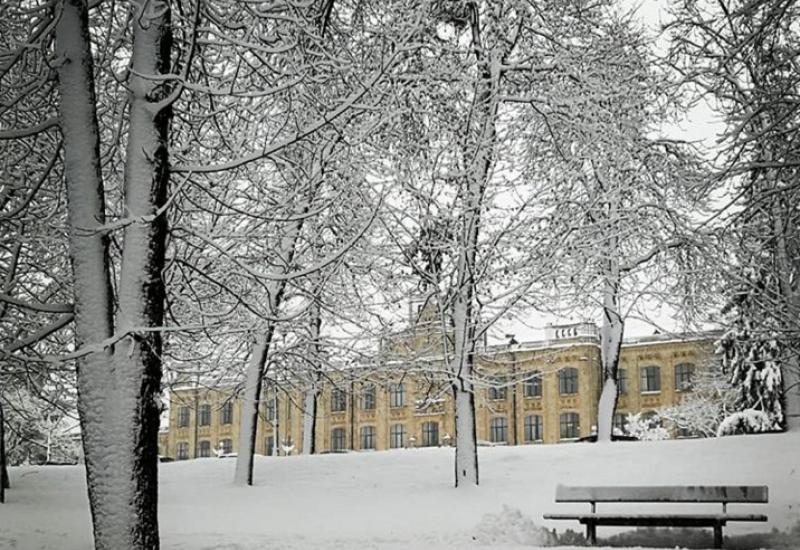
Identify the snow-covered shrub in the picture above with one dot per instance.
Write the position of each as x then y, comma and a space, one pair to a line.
511, 526
646, 427
745, 422
701, 411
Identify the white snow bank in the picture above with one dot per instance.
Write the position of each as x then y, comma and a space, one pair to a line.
401, 499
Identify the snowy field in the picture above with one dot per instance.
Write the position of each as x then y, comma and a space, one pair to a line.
401, 499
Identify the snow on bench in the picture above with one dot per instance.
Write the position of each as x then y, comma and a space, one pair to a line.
752, 494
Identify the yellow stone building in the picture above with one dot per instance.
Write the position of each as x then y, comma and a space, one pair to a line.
526, 393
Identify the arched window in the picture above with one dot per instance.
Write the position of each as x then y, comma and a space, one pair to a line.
205, 449
498, 432
684, 376
651, 379
568, 381
338, 441
533, 385
338, 400
367, 437
570, 425
533, 428
397, 436
497, 389
397, 395
430, 434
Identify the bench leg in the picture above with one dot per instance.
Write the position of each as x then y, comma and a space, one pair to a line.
718, 535
591, 532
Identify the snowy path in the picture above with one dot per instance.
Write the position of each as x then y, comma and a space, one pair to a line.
399, 499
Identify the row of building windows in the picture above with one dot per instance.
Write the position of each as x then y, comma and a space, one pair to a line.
203, 448
534, 428
650, 381
204, 415
650, 378
398, 435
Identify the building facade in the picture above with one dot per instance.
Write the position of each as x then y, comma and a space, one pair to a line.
528, 393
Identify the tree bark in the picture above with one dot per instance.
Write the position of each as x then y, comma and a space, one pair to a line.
88, 248
250, 402
118, 389
4, 482
312, 393
610, 345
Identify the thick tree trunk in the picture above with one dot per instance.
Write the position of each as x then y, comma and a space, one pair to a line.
118, 390
610, 345
137, 357
250, 401
88, 250
466, 465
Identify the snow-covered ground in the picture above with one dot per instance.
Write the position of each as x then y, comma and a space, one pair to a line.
401, 499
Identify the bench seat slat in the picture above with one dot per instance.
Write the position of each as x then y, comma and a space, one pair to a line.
665, 493
713, 518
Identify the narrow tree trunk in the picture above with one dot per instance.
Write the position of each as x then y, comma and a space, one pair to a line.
4, 484
464, 316
256, 369
312, 393
790, 365
250, 401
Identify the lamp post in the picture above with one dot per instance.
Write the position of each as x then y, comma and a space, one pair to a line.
512, 354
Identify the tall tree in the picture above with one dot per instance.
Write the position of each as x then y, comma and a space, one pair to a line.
742, 58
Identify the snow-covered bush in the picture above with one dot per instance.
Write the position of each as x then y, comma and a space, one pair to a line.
511, 526
646, 427
701, 411
745, 422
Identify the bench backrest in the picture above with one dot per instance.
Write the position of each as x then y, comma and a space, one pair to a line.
664, 493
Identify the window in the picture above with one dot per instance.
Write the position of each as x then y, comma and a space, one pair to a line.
338, 441
227, 413
622, 381
269, 445
683, 376
498, 429
397, 395
270, 409
183, 418
397, 436
533, 428
430, 434
338, 400
568, 381
205, 448
368, 397
367, 437
651, 379
533, 385
570, 425
619, 423
225, 446
205, 415
183, 450
497, 390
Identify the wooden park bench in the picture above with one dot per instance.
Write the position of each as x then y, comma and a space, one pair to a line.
752, 494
